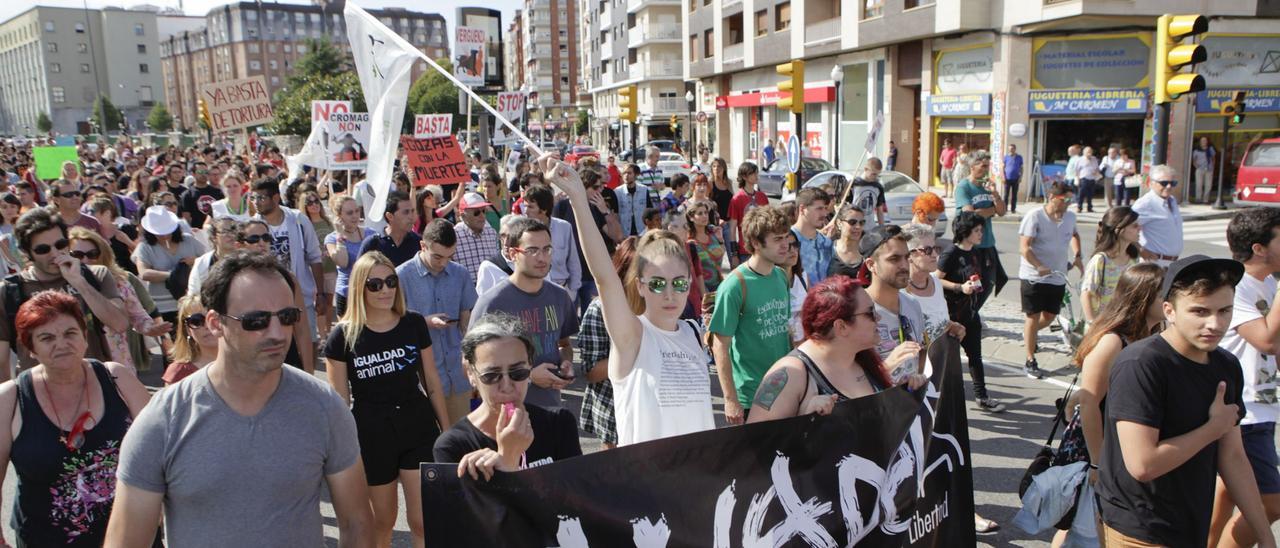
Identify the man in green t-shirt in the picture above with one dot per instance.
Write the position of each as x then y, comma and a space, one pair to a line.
753, 305
977, 193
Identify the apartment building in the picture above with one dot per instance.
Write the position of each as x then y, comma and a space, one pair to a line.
1040, 75
513, 60
634, 42
265, 38
57, 61
551, 63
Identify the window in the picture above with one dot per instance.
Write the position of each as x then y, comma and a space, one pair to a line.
82, 47
142, 49
299, 17
275, 80
288, 48
55, 67
84, 67
79, 28
254, 47
271, 48
251, 15
693, 48
273, 64
59, 94
872, 8
302, 48
762, 22
52, 47
139, 30
909, 4
733, 30
144, 68
709, 44
145, 96
255, 65
48, 26
782, 16
315, 19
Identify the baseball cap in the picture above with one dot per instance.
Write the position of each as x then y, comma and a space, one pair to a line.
1193, 265
876, 237
472, 200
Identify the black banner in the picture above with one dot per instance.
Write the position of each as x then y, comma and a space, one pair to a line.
891, 469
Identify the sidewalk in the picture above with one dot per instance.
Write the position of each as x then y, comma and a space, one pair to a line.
1190, 212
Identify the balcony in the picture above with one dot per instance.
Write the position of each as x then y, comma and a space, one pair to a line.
822, 31
733, 53
637, 5
606, 14
540, 18
606, 49
640, 35
670, 104
656, 69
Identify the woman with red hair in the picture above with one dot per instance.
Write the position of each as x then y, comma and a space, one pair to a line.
926, 209
71, 415
839, 320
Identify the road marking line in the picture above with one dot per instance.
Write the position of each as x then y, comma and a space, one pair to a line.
1018, 370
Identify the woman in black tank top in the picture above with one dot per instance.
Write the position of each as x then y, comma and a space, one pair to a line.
61, 424
839, 319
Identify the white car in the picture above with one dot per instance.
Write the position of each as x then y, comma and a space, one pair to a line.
900, 191
672, 163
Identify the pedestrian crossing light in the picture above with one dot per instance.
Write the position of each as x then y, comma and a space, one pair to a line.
1172, 57
794, 85
627, 104
1234, 109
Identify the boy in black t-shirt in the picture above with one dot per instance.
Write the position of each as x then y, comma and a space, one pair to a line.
1172, 412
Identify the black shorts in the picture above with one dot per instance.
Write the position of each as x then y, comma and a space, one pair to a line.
394, 437
339, 305
1037, 298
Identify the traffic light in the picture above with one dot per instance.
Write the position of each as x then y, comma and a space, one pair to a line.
675, 122
793, 85
627, 104
204, 112
1234, 109
1171, 57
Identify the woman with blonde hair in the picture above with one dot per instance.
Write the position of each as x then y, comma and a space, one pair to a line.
194, 346
657, 363
343, 245
125, 347
379, 354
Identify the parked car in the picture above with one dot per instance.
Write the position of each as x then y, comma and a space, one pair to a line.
900, 190
773, 177
578, 152
664, 145
1258, 177
672, 163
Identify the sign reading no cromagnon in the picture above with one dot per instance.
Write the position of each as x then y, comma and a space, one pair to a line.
346, 140
435, 161
320, 110
235, 104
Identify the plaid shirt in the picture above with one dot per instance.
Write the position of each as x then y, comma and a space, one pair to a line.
597, 403
474, 248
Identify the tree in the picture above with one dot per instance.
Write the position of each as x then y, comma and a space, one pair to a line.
106, 115
433, 94
160, 119
43, 123
292, 104
583, 125
322, 57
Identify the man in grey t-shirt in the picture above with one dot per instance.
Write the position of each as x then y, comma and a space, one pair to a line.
236, 453
1045, 235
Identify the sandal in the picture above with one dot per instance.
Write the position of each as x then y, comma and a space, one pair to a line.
984, 526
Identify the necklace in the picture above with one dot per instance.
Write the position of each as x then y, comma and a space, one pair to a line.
919, 287
62, 432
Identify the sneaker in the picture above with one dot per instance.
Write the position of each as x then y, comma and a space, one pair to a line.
1032, 369
991, 405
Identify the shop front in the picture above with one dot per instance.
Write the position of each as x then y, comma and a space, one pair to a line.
1238, 62
959, 108
757, 120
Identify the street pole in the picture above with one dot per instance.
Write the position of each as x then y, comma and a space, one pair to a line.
1222, 160
1160, 137
835, 135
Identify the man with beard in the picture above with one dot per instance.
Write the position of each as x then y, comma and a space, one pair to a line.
900, 319
195, 202
546, 309
236, 453
1045, 235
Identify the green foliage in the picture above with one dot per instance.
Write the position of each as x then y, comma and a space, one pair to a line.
433, 94
160, 119
322, 58
106, 115
292, 105
583, 124
43, 123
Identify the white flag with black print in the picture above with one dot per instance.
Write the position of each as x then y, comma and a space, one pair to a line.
312, 153
384, 62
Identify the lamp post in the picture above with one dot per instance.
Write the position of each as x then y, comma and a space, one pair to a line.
837, 76
692, 132
591, 124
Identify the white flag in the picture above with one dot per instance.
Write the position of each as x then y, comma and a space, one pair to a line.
312, 153
384, 62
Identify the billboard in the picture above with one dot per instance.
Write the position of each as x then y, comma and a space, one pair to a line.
489, 21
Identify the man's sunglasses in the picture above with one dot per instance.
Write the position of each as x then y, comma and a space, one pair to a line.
1168, 183
927, 250
856, 222
255, 238
259, 319
516, 375
659, 285
43, 249
91, 254
375, 284
195, 321
69, 194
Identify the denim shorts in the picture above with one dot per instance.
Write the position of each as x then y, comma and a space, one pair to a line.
1260, 445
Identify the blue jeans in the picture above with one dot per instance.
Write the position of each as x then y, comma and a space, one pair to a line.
586, 293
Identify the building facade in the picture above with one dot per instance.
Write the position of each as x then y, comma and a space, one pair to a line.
57, 61
551, 63
251, 38
513, 61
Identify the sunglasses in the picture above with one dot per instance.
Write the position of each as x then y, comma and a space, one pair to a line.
69, 194
1168, 183
312, 201
927, 250
659, 285
92, 254
855, 222
260, 319
45, 248
474, 212
195, 321
74, 440
375, 284
255, 238
516, 375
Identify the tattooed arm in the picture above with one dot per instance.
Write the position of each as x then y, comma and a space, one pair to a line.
781, 391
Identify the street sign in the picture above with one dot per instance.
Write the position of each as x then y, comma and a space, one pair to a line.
793, 153
702, 116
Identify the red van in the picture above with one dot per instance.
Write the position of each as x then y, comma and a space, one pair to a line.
1258, 180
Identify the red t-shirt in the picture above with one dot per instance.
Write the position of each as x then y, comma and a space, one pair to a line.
740, 204
948, 158
178, 371
615, 178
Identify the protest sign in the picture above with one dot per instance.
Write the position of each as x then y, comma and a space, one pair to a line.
511, 107
346, 140
513, 161
432, 125
891, 469
435, 161
320, 110
235, 104
468, 60
49, 161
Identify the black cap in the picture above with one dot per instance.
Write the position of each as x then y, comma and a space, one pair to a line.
1193, 265
876, 237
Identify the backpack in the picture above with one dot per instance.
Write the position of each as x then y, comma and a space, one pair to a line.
14, 296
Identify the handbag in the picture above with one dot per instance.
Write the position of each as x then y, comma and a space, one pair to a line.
1133, 181
1047, 457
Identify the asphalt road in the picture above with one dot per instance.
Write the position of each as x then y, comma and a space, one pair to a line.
1002, 445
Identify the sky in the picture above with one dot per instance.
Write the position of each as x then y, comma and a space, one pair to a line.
447, 8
